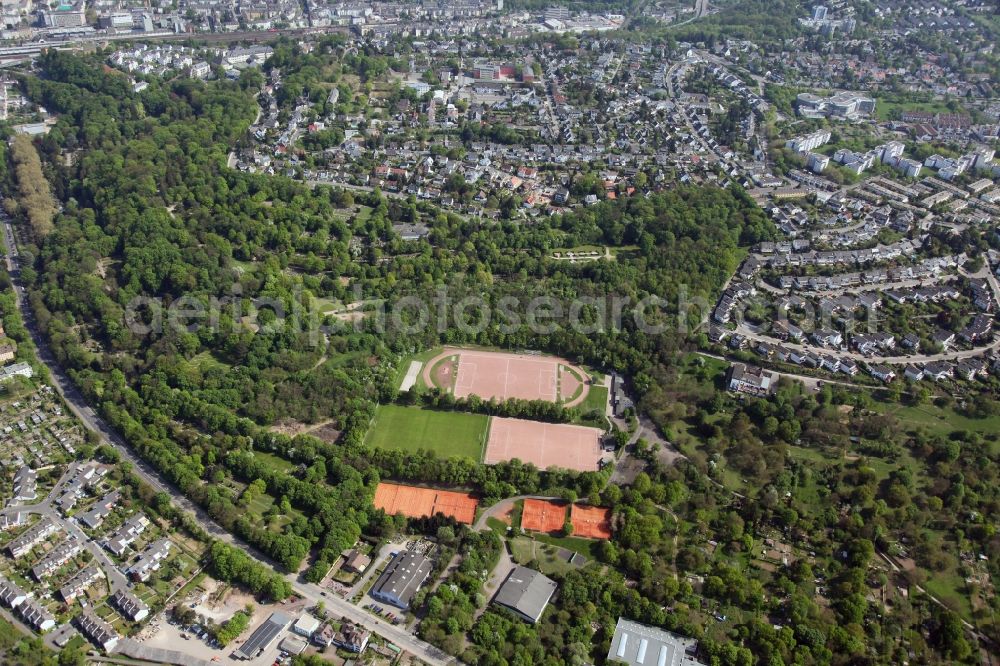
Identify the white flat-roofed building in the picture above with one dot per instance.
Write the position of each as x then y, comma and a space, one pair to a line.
641, 645
118, 21
200, 70
817, 162
15, 369
306, 625
808, 142
251, 54
980, 185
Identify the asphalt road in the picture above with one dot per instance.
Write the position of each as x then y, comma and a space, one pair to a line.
76, 403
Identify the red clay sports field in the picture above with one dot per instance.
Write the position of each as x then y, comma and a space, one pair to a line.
593, 522
543, 515
544, 444
416, 502
504, 375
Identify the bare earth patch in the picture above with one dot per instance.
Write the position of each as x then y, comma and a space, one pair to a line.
325, 431
290, 427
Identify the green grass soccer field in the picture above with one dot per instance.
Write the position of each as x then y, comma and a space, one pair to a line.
412, 428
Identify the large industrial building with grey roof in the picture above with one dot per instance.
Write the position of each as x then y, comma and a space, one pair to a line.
526, 593
401, 579
641, 645
263, 636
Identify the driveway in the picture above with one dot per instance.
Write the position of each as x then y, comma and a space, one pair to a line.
382, 556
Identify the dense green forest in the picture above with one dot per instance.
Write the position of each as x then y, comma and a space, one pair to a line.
765, 22
151, 211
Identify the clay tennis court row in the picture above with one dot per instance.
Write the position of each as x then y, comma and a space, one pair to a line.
416, 502
592, 522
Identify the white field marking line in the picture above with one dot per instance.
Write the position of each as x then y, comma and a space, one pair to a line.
456, 360
466, 386
542, 379
495, 445
484, 444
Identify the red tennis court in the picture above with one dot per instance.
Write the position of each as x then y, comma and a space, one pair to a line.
593, 522
415, 502
544, 444
503, 376
543, 515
